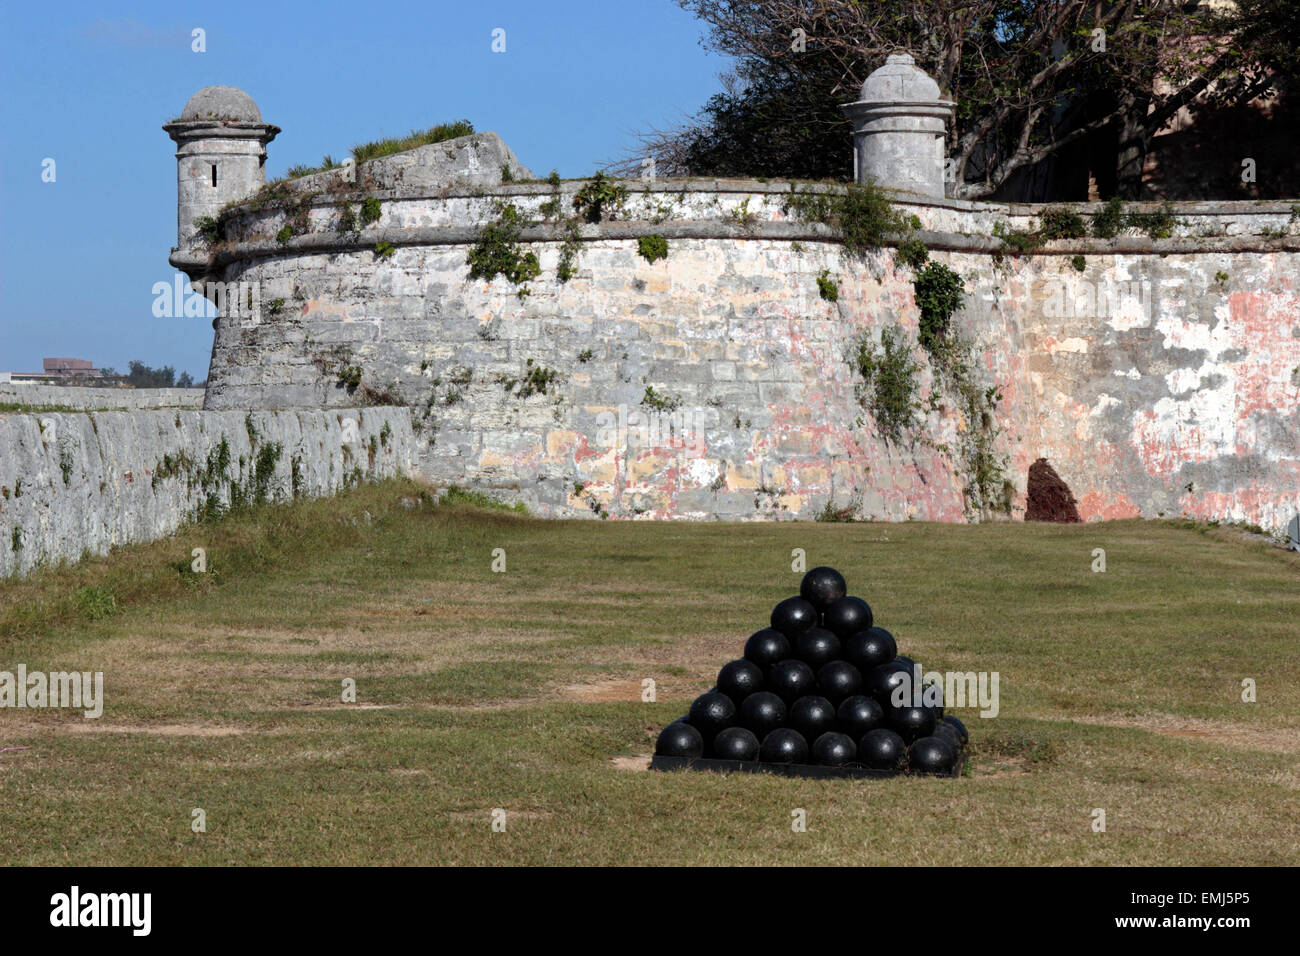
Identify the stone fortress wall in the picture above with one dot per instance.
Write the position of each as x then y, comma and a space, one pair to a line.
1161, 379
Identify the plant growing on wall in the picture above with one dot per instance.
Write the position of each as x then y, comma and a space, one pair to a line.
652, 247
498, 252
939, 293
888, 387
827, 287
600, 198
862, 216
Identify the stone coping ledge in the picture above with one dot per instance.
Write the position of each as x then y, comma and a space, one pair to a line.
1224, 207
194, 262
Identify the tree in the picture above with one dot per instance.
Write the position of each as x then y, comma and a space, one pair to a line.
143, 376
1031, 78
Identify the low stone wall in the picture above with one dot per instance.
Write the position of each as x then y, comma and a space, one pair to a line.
100, 399
73, 484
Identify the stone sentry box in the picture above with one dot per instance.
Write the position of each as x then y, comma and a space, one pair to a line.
899, 122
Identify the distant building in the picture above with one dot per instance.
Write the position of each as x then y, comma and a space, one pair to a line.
69, 367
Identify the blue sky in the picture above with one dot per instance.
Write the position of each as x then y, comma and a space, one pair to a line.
89, 87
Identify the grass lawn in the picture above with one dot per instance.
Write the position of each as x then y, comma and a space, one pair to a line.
522, 691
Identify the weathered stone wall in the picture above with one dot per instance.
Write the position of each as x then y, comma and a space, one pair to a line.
1177, 393
72, 484
91, 399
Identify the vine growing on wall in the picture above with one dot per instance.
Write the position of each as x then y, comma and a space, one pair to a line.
889, 389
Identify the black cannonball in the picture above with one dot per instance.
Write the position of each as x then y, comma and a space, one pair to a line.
793, 616
847, 616
812, 716
958, 726
711, 713
905, 661
833, 749
870, 648
679, 740
784, 745
740, 678
931, 755
735, 743
766, 647
816, 646
911, 723
882, 749
762, 713
791, 679
947, 733
881, 681
858, 714
822, 586
838, 680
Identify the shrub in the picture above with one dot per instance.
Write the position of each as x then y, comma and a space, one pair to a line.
497, 251
371, 209
1061, 224
939, 293
1108, 223
861, 215
912, 252
827, 287
598, 197
652, 247
888, 388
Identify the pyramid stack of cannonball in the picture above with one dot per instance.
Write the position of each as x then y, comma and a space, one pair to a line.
820, 687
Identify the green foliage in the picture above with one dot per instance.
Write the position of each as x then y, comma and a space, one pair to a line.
371, 209
1108, 223
660, 402
384, 250
862, 216
497, 250
586, 355
600, 198
652, 247
457, 497
327, 163
1061, 224
536, 380
347, 218
385, 434
912, 252
939, 293
264, 462
16, 539
284, 235
888, 387
827, 287
1157, 225
507, 174
1080, 263
95, 603
830, 512
414, 139
210, 229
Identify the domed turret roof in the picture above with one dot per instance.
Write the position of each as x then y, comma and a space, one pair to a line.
221, 103
900, 80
